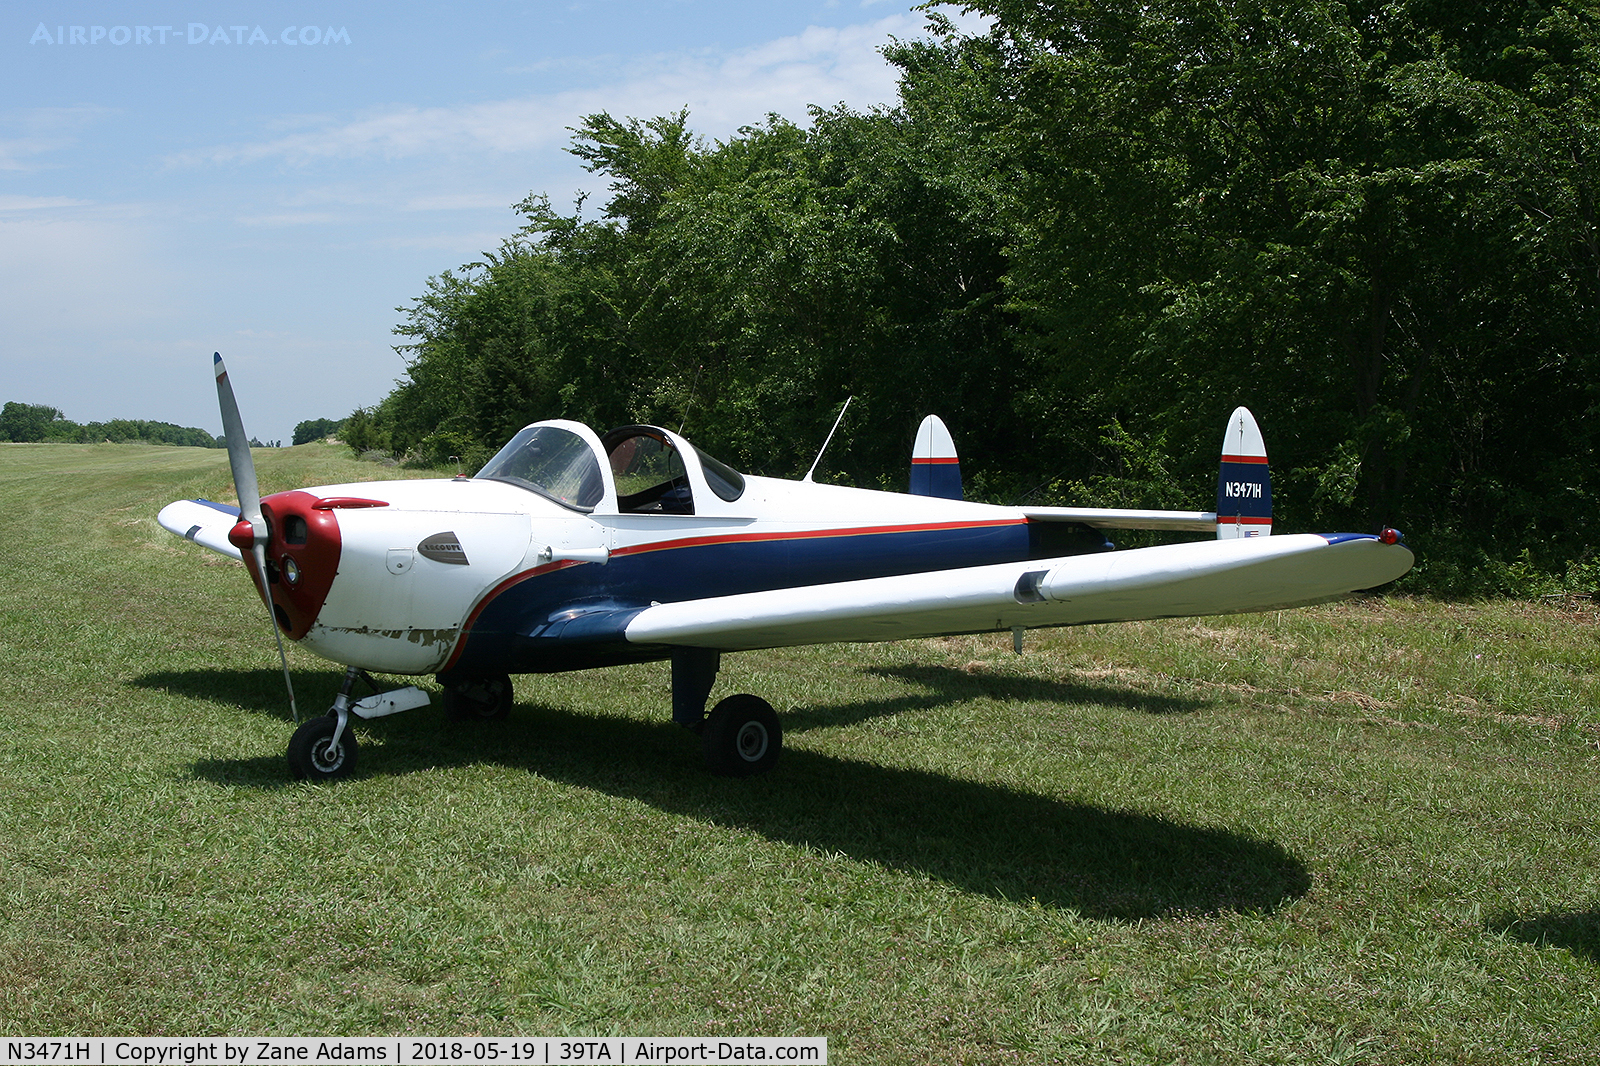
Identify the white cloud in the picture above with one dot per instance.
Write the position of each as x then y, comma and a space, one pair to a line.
291, 218
40, 131
822, 66
471, 201
472, 244
18, 153
38, 203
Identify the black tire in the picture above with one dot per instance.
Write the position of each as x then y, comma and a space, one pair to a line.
478, 699
742, 737
311, 756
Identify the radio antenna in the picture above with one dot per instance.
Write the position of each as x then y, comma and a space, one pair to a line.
689, 404
825, 443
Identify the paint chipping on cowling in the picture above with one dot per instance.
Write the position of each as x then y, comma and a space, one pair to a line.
424, 637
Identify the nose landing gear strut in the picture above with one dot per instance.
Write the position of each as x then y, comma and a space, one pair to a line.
324, 748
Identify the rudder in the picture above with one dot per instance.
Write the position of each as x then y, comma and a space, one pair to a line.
1244, 481
935, 468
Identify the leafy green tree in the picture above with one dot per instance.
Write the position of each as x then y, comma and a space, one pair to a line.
27, 422
742, 290
1335, 212
36, 422
364, 430
314, 429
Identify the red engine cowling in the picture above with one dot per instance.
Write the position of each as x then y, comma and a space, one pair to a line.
303, 548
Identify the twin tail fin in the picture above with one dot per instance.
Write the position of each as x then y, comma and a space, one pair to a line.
1244, 483
935, 468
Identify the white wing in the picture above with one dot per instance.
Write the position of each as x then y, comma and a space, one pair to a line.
203, 522
1210, 577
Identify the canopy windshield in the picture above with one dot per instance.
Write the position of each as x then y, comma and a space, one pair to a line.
554, 462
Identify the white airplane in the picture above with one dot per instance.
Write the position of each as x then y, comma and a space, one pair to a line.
571, 550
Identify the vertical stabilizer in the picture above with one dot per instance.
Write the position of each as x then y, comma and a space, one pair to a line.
935, 469
1244, 485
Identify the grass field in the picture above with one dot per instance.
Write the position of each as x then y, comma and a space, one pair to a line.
1362, 833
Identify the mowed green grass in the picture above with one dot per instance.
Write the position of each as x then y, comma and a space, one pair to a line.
1357, 833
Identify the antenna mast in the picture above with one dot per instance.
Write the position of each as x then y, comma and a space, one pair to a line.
829, 441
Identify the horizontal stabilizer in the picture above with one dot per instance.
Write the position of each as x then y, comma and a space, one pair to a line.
935, 468
1244, 495
204, 522
1117, 518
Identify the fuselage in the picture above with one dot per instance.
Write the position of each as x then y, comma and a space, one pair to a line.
486, 575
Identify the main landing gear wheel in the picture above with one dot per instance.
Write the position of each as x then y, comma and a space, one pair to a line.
478, 699
742, 737
312, 754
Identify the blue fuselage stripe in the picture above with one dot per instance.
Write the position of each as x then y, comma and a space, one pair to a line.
540, 622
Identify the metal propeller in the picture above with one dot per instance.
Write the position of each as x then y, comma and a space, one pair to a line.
244, 484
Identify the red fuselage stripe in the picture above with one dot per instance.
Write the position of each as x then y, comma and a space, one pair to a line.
863, 531
513, 580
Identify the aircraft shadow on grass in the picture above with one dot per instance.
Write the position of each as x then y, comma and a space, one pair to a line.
1577, 931
257, 691
945, 685
983, 838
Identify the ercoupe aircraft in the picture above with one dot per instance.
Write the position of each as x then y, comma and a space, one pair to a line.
572, 550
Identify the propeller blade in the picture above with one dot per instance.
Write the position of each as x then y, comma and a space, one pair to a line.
239, 459
260, 552
243, 466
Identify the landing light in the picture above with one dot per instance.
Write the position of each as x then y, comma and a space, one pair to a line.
291, 571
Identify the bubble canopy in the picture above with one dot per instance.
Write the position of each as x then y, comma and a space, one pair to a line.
642, 468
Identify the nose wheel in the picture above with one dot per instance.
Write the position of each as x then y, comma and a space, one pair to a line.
322, 749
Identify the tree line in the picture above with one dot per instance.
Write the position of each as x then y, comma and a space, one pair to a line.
1082, 235
37, 423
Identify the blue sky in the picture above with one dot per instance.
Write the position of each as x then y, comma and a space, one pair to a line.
247, 181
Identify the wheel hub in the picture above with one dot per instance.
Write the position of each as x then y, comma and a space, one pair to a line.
326, 757
752, 741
